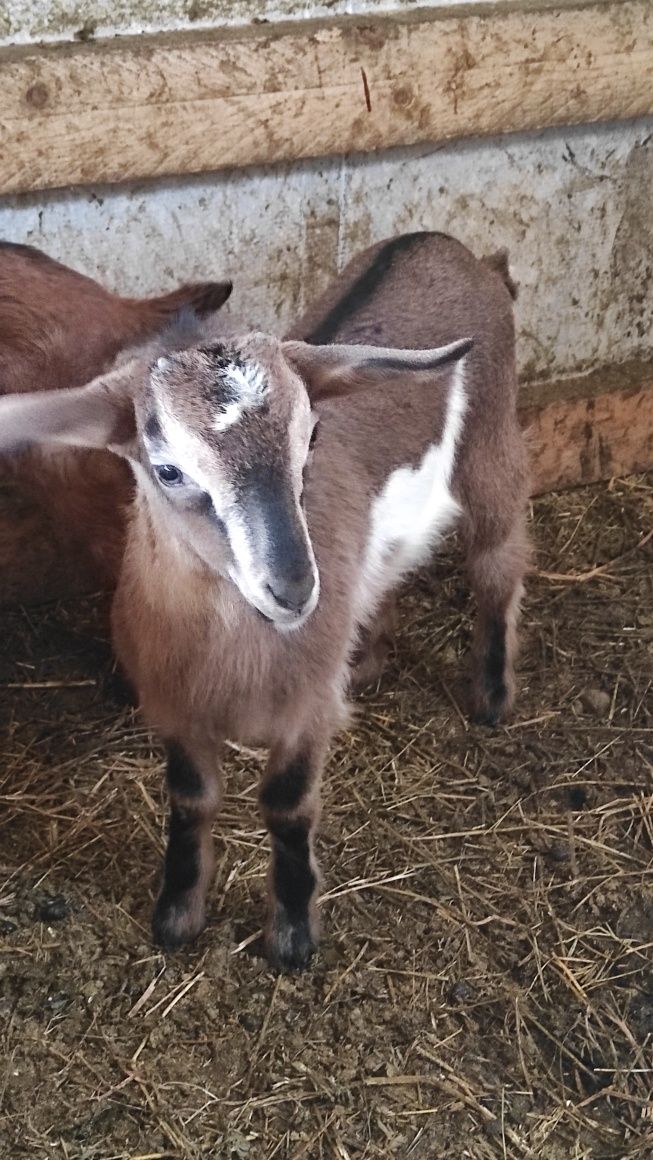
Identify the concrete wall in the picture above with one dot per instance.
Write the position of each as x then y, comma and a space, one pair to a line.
573, 207
24, 21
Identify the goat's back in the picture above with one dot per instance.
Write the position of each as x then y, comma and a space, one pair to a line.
59, 328
424, 290
415, 290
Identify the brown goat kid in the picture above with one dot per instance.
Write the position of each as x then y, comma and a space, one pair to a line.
59, 329
283, 491
423, 290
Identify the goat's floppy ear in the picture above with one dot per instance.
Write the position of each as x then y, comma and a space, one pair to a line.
328, 371
203, 298
100, 414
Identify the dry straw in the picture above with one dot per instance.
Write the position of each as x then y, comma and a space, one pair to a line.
484, 987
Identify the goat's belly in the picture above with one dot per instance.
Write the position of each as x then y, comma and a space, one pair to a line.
407, 519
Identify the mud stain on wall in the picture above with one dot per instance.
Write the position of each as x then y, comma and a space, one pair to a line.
572, 207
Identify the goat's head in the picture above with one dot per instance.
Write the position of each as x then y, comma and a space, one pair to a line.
226, 431
219, 436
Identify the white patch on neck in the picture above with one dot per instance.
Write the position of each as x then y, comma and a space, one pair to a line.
249, 380
413, 511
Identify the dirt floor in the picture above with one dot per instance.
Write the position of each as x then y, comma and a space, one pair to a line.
485, 982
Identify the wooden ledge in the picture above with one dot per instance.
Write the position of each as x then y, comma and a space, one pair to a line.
133, 108
581, 430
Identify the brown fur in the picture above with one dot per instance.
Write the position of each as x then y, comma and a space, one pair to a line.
242, 679
499, 262
206, 666
429, 290
59, 328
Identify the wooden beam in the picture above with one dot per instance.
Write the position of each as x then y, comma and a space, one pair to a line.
586, 429
134, 108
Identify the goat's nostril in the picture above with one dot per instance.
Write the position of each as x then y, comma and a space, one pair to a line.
276, 596
292, 594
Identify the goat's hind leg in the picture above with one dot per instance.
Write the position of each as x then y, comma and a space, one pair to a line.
374, 645
496, 570
289, 799
192, 776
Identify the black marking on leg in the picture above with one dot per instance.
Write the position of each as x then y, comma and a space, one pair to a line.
495, 658
294, 880
290, 940
285, 789
183, 777
495, 670
182, 864
120, 689
180, 876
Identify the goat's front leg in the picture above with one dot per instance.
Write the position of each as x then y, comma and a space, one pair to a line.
193, 786
290, 804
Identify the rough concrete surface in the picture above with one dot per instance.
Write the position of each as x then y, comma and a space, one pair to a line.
573, 207
25, 21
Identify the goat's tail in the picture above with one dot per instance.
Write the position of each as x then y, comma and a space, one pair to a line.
500, 263
201, 298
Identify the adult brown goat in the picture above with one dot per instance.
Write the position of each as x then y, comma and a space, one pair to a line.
59, 328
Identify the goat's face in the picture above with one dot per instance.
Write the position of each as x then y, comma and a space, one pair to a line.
219, 436
224, 435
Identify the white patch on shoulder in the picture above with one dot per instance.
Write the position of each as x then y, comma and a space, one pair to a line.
249, 381
414, 509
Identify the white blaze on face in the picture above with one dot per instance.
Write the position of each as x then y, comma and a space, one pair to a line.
182, 447
250, 572
247, 381
413, 510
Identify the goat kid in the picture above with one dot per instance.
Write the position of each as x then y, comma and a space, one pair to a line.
243, 510
422, 290
59, 329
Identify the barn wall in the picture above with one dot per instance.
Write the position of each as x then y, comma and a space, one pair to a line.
26, 21
573, 207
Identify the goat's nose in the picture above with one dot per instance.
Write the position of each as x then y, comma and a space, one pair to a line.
293, 595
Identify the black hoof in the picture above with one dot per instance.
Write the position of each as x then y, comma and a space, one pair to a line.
490, 718
490, 707
174, 924
290, 946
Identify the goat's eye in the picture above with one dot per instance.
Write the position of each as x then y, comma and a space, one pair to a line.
168, 474
313, 439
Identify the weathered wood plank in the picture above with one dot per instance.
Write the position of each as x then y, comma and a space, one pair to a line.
145, 107
586, 429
